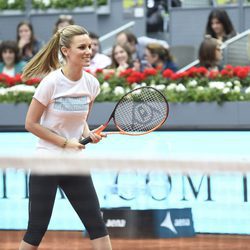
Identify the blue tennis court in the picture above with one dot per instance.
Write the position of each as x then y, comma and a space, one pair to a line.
179, 143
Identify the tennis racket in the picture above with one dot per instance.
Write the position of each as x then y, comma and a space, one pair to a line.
138, 112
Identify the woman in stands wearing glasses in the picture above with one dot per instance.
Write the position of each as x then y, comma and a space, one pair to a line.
210, 53
219, 25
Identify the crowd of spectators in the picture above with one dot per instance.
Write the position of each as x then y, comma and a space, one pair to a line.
128, 51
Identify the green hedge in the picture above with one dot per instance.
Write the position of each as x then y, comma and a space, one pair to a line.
53, 4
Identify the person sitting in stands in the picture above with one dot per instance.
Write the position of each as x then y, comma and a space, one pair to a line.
137, 45
210, 53
63, 21
219, 25
121, 59
98, 60
159, 57
10, 63
28, 44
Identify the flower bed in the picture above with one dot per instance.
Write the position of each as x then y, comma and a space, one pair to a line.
194, 85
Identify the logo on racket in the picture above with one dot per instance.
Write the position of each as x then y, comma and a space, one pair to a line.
144, 113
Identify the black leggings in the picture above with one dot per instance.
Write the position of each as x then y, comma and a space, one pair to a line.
81, 194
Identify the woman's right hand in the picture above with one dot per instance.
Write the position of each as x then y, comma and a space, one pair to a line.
22, 42
74, 144
137, 65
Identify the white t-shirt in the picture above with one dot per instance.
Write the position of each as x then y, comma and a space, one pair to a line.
9, 72
67, 105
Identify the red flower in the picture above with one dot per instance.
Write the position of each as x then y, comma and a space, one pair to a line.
99, 71
179, 75
192, 71
202, 71
33, 81
150, 72
242, 73
159, 68
9, 81
199, 71
126, 72
108, 76
17, 78
229, 67
167, 73
135, 77
213, 74
228, 73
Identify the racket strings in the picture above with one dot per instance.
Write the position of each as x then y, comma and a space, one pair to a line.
141, 111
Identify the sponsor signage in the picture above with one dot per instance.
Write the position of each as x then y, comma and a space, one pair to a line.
153, 223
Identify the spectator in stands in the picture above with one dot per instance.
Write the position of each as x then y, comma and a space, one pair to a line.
121, 59
219, 25
63, 21
98, 60
137, 45
28, 44
10, 63
210, 53
159, 57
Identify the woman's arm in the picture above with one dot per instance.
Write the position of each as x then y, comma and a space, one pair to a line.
32, 124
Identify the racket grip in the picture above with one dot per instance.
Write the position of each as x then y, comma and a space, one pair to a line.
86, 140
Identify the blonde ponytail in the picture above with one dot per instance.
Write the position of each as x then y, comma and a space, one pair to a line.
44, 61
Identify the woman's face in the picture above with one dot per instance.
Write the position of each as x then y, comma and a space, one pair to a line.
217, 26
152, 59
24, 32
120, 55
79, 52
8, 57
95, 46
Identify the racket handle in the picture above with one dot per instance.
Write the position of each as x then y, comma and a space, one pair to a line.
86, 141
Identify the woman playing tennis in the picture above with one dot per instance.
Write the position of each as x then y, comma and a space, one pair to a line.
57, 115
